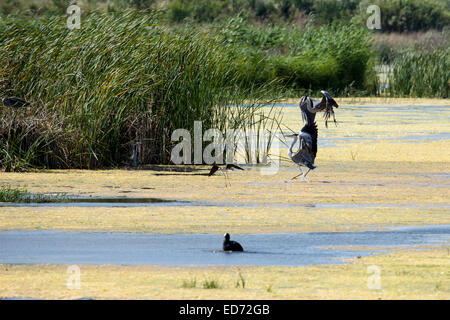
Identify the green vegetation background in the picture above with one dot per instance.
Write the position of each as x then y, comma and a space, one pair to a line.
137, 75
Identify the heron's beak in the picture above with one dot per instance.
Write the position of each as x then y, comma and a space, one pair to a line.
291, 135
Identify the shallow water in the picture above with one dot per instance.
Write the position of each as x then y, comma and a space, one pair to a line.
286, 249
334, 142
384, 117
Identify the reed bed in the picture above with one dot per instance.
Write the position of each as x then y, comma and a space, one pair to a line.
421, 74
118, 79
21, 195
130, 79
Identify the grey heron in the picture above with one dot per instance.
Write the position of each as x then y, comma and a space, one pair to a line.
14, 102
135, 157
307, 148
229, 245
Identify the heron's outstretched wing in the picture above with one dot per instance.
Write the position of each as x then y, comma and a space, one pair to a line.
310, 105
328, 100
305, 155
233, 166
327, 105
213, 170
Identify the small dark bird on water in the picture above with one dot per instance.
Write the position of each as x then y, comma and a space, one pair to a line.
216, 167
14, 102
229, 245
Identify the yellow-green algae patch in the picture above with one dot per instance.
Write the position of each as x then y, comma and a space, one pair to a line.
397, 193
217, 220
404, 274
332, 182
431, 151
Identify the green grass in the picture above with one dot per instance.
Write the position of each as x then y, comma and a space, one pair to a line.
241, 281
188, 284
337, 57
210, 284
129, 77
116, 80
421, 74
409, 15
397, 15
9, 194
20, 195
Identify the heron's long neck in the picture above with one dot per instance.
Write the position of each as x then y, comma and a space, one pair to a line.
292, 146
307, 115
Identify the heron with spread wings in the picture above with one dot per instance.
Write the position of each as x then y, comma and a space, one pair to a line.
307, 139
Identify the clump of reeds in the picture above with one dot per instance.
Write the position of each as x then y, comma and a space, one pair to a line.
421, 74
32, 140
21, 195
118, 79
189, 284
241, 281
9, 194
211, 284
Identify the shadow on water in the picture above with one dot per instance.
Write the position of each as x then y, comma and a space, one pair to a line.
159, 202
286, 249
118, 200
99, 202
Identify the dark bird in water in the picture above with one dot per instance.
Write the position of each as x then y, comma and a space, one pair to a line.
229, 245
14, 102
307, 148
216, 167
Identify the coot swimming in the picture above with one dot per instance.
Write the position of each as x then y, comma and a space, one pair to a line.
229, 245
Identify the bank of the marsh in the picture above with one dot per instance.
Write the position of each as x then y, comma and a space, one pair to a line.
370, 195
404, 274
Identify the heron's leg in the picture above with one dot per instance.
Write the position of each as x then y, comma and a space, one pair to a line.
225, 174
301, 174
227, 179
304, 175
307, 172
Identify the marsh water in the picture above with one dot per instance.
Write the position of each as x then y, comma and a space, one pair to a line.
384, 117
284, 249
